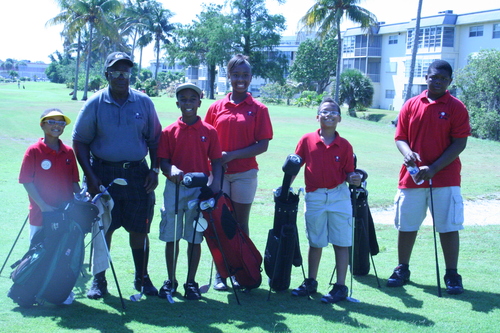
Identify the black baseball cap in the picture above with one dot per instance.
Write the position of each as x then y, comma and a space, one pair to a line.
118, 56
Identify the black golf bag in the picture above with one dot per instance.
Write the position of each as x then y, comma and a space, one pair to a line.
365, 240
282, 247
49, 270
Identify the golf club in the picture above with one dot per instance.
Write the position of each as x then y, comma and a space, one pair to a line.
204, 289
137, 297
435, 241
176, 220
354, 215
15, 242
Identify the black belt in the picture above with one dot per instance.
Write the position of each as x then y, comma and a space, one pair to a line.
121, 164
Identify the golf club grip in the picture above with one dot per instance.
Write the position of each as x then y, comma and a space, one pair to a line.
285, 186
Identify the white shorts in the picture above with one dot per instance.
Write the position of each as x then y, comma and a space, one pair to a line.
328, 215
241, 187
411, 208
185, 216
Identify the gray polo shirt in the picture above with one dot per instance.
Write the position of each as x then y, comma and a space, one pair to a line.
118, 132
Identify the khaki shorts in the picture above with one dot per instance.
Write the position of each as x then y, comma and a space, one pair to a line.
185, 216
328, 215
241, 187
412, 204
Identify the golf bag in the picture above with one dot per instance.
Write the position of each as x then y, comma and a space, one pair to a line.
365, 240
50, 268
233, 252
282, 247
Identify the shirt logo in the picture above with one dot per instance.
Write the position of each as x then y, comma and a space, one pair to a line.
203, 138
46, 164
443, 115
337, 158
250, 113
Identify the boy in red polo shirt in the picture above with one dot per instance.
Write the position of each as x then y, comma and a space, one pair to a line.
49, 171
329, 162
188, 145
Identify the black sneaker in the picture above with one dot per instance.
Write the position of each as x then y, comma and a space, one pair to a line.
400, 277
192, 291
453, 284
308, 287
337, 294
149, 289
168, 288
99, 288
220, 283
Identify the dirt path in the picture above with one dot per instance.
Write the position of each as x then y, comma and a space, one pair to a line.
477, 212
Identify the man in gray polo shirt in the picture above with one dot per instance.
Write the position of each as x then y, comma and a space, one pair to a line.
115, 130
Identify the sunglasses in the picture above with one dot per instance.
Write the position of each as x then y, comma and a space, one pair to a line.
327, 113
116, 74
55, 122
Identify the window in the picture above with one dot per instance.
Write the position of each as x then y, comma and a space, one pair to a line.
390, 94
392, 67
393, 39
496, 30
421, 67
476, 31
431, 37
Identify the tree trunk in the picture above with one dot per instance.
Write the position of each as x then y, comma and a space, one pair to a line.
75, 88
211, 81
339, 64
87, 65
414, 52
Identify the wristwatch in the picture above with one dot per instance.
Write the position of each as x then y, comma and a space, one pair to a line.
156, 170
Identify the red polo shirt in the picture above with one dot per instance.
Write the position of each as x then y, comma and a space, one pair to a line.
428, 127
239, 126
190, 147
53, 174
326, 166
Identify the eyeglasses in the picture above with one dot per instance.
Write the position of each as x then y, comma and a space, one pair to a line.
116, 74
51, 122
325, 113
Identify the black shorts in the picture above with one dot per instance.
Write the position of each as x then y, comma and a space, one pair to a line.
133, 208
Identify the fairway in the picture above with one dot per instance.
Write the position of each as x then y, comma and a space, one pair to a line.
412, 308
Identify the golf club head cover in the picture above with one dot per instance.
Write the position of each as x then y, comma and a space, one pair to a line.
292, 164
195, 179
205, 193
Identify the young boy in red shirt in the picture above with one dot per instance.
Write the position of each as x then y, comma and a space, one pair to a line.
329, 164
49, 171
188, 145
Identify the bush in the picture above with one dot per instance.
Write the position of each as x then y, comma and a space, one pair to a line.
309, 99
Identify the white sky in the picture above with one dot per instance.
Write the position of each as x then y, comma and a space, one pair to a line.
23, 35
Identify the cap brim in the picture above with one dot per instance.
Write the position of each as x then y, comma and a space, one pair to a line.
56, 114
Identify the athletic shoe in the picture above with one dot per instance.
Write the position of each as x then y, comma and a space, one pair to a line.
453, 284
308, 287
99, 287
236, 285
220, 283
337, 294
400, 277
192, 291
149, 289
168, 289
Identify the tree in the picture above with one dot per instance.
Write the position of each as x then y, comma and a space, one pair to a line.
258, 34
356, 90
315, 64
415, 38
479, 89
325, 16
158, 28
206, 41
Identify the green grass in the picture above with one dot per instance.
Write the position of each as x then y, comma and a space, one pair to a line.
412, 308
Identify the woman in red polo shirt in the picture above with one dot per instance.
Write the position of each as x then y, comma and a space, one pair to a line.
244, 129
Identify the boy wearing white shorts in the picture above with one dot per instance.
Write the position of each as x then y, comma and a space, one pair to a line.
329, 163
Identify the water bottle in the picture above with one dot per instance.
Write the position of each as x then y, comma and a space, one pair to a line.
413, 171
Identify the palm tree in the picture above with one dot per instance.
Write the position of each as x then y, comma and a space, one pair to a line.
134, 18
414, 50
325, 16
72, 26
158, 29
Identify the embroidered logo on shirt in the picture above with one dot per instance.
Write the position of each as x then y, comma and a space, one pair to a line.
337, 158
138, 115
46, 164
443, 115
203, 138
250, 113
68, 162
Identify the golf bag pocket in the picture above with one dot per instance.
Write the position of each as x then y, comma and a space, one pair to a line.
85, 214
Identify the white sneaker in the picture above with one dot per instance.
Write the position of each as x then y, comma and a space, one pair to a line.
70, 299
